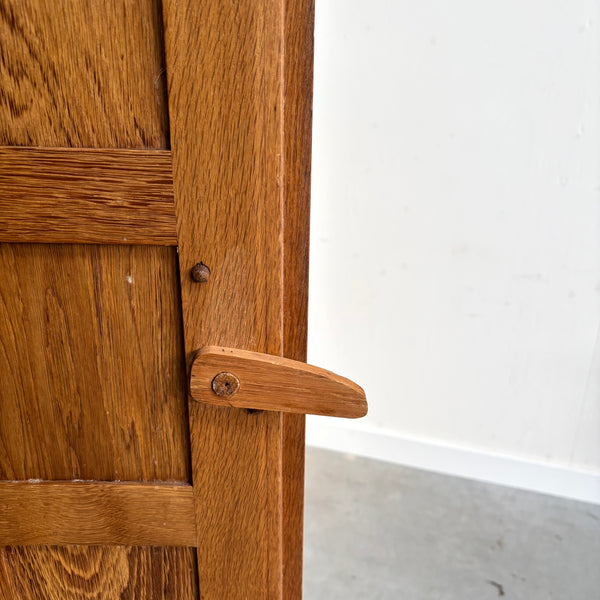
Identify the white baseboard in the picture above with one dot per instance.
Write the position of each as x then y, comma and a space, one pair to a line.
451, 460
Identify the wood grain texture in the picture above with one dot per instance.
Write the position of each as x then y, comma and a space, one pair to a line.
81, 399
63, 195
266, 382
91, 364
93, 513
98, 572
297, 130
77, 73
224, 65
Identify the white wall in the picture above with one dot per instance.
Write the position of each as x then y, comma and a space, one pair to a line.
455, 260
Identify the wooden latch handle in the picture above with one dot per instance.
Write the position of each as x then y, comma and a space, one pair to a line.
242, 379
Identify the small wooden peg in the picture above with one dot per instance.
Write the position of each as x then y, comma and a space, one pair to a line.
200, 273
267, 382
225, 384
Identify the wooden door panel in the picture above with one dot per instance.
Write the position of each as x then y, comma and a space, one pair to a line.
91, 344
91, 364
82, 73
91, 340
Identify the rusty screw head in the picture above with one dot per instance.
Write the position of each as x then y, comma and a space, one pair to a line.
225, 384
200, 273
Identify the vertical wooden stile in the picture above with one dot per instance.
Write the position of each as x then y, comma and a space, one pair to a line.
241, 177
298, 86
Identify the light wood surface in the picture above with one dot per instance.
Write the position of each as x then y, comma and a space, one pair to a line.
82, 74
91, 513
224, 63
64, 195
80, 399
275, 383
98, 572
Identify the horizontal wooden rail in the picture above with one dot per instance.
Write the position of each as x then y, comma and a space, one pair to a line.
86, 196
96, 513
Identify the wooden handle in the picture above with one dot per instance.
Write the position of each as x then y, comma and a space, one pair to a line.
242, 379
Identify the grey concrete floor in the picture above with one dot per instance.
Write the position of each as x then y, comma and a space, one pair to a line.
377, 531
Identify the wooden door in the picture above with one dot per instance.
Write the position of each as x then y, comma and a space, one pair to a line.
138, 139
